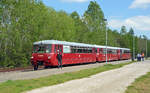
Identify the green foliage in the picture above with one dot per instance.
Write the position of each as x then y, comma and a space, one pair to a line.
94, 20
23, 22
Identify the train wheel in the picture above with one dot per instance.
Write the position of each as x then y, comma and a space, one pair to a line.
35, 67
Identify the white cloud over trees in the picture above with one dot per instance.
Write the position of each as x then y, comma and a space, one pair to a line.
140, 4
140, 23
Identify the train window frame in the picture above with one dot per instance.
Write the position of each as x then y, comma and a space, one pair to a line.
104, 51
95, 50
66, 49
114, 51
45, 48
101, 50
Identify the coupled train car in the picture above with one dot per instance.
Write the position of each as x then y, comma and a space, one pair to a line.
45, 53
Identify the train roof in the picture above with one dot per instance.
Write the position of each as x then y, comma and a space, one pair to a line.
75, 44
62, 42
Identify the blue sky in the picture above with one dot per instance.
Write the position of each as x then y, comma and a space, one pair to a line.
131, 13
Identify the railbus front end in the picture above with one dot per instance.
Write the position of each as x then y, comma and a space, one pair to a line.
41, 55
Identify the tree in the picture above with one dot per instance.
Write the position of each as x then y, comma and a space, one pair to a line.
75, 16
131, 32
94, 20
131, 41
123, 30
80, 28
94, 17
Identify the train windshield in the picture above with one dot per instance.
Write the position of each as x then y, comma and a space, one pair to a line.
42, 48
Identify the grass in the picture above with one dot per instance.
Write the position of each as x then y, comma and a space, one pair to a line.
148, 58
141, 85
25, 85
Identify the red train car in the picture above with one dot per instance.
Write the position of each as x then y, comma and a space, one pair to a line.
124, 54
45, 53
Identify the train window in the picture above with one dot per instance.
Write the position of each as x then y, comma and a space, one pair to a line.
41, 48
89, 50
104, 50
85, 50
126, 51
48, 48
60, 49
114, 51
122, 51
100, 50
79, 50
66, 49
109, 51
95, 50
82, 49
55, 48
73, 49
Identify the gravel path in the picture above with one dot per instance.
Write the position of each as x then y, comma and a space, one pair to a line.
30, 74
113, 81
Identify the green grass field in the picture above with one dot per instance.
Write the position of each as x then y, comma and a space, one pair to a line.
141, 85
25, 85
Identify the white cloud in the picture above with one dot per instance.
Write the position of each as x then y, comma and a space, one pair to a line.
80, 1
139, 23
140, 4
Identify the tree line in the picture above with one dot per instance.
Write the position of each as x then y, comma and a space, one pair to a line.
23, 22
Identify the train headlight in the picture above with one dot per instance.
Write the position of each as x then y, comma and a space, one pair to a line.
49, 57
32, 57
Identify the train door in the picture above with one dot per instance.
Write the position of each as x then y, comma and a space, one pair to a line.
110, 54
95, 54
101, 58
118, 54
59, 48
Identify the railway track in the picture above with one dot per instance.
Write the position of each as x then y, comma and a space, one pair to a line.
29, 73
30, 68
18, 69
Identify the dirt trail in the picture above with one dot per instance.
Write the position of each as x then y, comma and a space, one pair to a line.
113, 81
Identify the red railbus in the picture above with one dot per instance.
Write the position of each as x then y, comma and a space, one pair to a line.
45, 53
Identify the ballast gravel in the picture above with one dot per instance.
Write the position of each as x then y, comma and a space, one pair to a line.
113, 81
